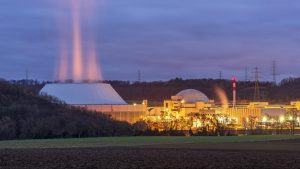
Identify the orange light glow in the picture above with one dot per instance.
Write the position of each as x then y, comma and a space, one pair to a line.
82, 67
77, 48
93, 69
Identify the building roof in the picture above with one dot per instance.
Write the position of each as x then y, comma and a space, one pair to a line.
193, 96
83, 93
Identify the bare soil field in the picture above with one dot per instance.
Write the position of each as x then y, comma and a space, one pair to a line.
240, 155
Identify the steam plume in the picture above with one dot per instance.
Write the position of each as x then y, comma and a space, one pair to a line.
77, 48
222, 97
79, 70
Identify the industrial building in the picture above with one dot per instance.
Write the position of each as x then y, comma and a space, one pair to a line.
100, 97
188, 105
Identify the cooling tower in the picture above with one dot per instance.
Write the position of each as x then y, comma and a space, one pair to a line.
84, 93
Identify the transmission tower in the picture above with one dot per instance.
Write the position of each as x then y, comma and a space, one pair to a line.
26, 77
274, 72
220, 75
139, 76
246, 74
256, 88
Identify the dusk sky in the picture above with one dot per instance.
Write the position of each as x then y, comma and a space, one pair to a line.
162, 38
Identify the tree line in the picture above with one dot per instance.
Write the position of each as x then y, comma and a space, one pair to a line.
157, 91
283, 92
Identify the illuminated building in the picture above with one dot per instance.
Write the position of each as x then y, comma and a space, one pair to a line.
100, 97
188, 105
191, 103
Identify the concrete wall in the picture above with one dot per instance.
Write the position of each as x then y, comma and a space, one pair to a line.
129, 113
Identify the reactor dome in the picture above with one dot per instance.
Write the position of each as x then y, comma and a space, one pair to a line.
193, 96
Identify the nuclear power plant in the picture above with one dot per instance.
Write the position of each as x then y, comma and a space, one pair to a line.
189, 109
188, 105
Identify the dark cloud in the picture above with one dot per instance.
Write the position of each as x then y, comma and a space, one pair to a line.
164, 39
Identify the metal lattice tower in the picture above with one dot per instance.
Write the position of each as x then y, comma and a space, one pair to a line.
139, 76
220, 75
26, 77
246, 74
274, 72
256, 88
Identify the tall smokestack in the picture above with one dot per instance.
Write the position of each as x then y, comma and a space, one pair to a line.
234, 79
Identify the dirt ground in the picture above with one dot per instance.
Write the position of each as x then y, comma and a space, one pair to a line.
260, 155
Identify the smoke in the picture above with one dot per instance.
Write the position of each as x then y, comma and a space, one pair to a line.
222, 97
79, 70
77, 46
93, 71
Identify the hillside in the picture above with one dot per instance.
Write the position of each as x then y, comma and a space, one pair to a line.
24, 114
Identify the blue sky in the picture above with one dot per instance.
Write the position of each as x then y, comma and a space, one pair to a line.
162, 38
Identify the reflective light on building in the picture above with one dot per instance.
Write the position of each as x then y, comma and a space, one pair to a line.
264, 119
281, 119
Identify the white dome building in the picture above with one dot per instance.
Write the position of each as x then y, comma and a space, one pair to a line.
99, 97
191, 96
84, 93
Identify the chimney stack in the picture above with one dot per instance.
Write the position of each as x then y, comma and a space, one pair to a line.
234, 79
